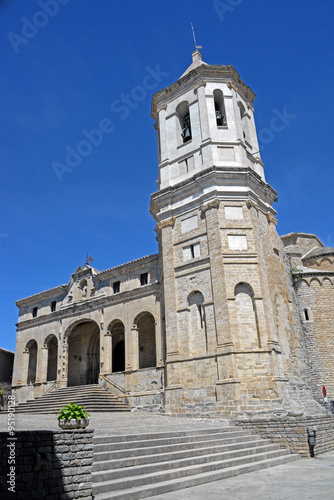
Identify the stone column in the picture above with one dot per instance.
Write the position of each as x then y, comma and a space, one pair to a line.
42, 363
107, 354
64, 367
203, 112
23, 373
162, 134
132, 361
167, 249
223, 332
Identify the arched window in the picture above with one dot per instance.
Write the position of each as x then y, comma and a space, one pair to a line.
32, 364
83, 287
218, 97
307, 314
184, 122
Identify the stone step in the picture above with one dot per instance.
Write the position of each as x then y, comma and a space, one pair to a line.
101, 463
136, 452
161, 442
155, 467
135, 481
173, 433
174, 484
92, 398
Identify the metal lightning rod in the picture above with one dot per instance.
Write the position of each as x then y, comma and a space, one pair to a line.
196, 46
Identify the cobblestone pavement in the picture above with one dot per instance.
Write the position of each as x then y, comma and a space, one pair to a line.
306, 479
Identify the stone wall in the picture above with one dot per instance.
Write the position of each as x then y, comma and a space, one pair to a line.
291, 432
6, 365
47, 464
316, 295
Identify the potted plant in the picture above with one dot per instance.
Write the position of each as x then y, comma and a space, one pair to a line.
73, 416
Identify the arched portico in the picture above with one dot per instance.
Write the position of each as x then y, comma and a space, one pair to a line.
145, 324
31, 347
51, 343
83, 353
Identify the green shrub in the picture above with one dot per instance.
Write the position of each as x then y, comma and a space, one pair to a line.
71, 411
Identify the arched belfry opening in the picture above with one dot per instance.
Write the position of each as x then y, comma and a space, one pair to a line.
118, 346
31, 347
84, 354
51, 343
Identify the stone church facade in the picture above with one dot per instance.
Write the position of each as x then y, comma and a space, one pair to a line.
215, 323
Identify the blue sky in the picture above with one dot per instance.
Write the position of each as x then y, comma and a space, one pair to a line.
65, 67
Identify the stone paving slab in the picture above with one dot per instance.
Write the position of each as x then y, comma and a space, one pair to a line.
306, 479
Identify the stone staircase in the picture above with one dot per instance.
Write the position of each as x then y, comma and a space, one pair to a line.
133, 466
93, 397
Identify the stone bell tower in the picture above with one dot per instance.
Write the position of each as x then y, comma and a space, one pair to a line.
231, 327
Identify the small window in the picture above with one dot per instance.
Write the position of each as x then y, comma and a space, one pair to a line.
306, 315
144, 279
34, 312
53, 305
192, 251
116, 286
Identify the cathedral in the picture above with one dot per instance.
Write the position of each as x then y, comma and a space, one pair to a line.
229, 318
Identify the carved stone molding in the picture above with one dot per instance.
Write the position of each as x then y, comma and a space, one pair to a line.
249, 106
251, 204
162, 108
231, 86
165, 223
271, 218
200, 84
212, 204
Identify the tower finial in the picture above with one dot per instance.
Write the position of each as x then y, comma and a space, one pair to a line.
196, 46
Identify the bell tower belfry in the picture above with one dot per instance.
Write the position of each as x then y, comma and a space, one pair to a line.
224, 280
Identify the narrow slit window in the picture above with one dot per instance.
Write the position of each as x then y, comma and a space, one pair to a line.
34, 312
53, 305
116, 286
306, 315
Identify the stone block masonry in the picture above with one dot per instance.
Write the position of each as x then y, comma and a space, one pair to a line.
47, 464
291, 432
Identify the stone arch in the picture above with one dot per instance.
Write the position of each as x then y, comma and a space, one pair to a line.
32, 348
327, 279
183, 122
51, 343
313, 281
197, 324
247, 320
117, 331
145, 324
83, 338
220, 112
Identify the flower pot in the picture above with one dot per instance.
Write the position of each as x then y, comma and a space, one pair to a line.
73, 423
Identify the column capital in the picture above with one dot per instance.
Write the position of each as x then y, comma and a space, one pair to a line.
212, 204
165, 223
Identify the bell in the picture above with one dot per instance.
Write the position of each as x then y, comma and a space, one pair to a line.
186, 134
